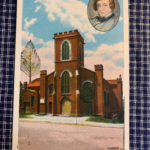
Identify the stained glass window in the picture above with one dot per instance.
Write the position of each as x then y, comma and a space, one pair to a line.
50, 88
65, 83
81, 52
106, 98
87, 92
65, 51
32, 101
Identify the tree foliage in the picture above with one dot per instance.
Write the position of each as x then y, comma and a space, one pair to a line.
30, 61
87, 92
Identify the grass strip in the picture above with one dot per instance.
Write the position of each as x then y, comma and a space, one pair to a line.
27, 116
103, 120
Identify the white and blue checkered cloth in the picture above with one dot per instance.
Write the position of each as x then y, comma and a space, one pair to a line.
7, 55
139, 21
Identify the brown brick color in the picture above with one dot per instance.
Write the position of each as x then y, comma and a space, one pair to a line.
46, 102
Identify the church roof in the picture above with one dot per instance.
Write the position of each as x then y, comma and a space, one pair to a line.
51, 74
34, 83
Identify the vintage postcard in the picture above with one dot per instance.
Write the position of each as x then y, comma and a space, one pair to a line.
71, 75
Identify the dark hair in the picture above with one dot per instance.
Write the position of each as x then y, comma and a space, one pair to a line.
111, 4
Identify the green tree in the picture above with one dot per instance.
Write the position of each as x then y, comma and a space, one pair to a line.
30, 61
87, 92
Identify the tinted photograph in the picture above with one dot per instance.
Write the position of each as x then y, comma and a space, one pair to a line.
71, 90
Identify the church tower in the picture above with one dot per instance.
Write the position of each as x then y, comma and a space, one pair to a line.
69, 57
69, 48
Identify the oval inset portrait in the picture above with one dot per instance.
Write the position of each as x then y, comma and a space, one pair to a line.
103, 14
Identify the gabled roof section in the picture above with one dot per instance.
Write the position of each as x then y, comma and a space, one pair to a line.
29, 90
34, 83
106, 81
52, 73
87, 70
112, 81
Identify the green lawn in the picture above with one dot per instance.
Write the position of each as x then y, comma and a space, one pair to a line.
104, 120
27, 116
40, 115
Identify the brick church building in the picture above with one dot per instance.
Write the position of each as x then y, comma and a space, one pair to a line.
72, 89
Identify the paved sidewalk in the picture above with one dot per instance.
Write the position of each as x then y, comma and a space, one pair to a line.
46, 136
69, 120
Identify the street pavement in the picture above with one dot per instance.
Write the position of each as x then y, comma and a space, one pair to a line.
69, 120
47, 136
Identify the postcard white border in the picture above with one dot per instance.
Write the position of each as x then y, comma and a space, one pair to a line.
17, 74
126, 73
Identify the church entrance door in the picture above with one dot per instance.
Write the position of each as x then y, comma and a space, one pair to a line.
27, 107
66, 106
50, 107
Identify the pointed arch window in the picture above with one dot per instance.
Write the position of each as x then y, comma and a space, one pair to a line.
87, 91
65, 82
65, 51
106, 98
81, 52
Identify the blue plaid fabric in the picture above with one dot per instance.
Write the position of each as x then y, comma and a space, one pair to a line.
7, 52
139, 22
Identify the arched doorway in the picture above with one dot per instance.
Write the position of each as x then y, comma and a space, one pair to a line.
27, 107
66, 106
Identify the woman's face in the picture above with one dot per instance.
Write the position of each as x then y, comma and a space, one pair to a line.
103, 8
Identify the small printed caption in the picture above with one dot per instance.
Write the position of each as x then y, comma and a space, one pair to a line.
114, 148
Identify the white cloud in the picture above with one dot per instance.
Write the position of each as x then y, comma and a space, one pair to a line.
47, 58
37, 8
26, 36
29, 23
72, 12
111, 56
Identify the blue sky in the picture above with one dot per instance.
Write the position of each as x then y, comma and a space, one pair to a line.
42, 18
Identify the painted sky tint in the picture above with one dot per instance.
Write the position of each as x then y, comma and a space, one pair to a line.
43, 18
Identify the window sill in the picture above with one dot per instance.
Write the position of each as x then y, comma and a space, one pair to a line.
65, 60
